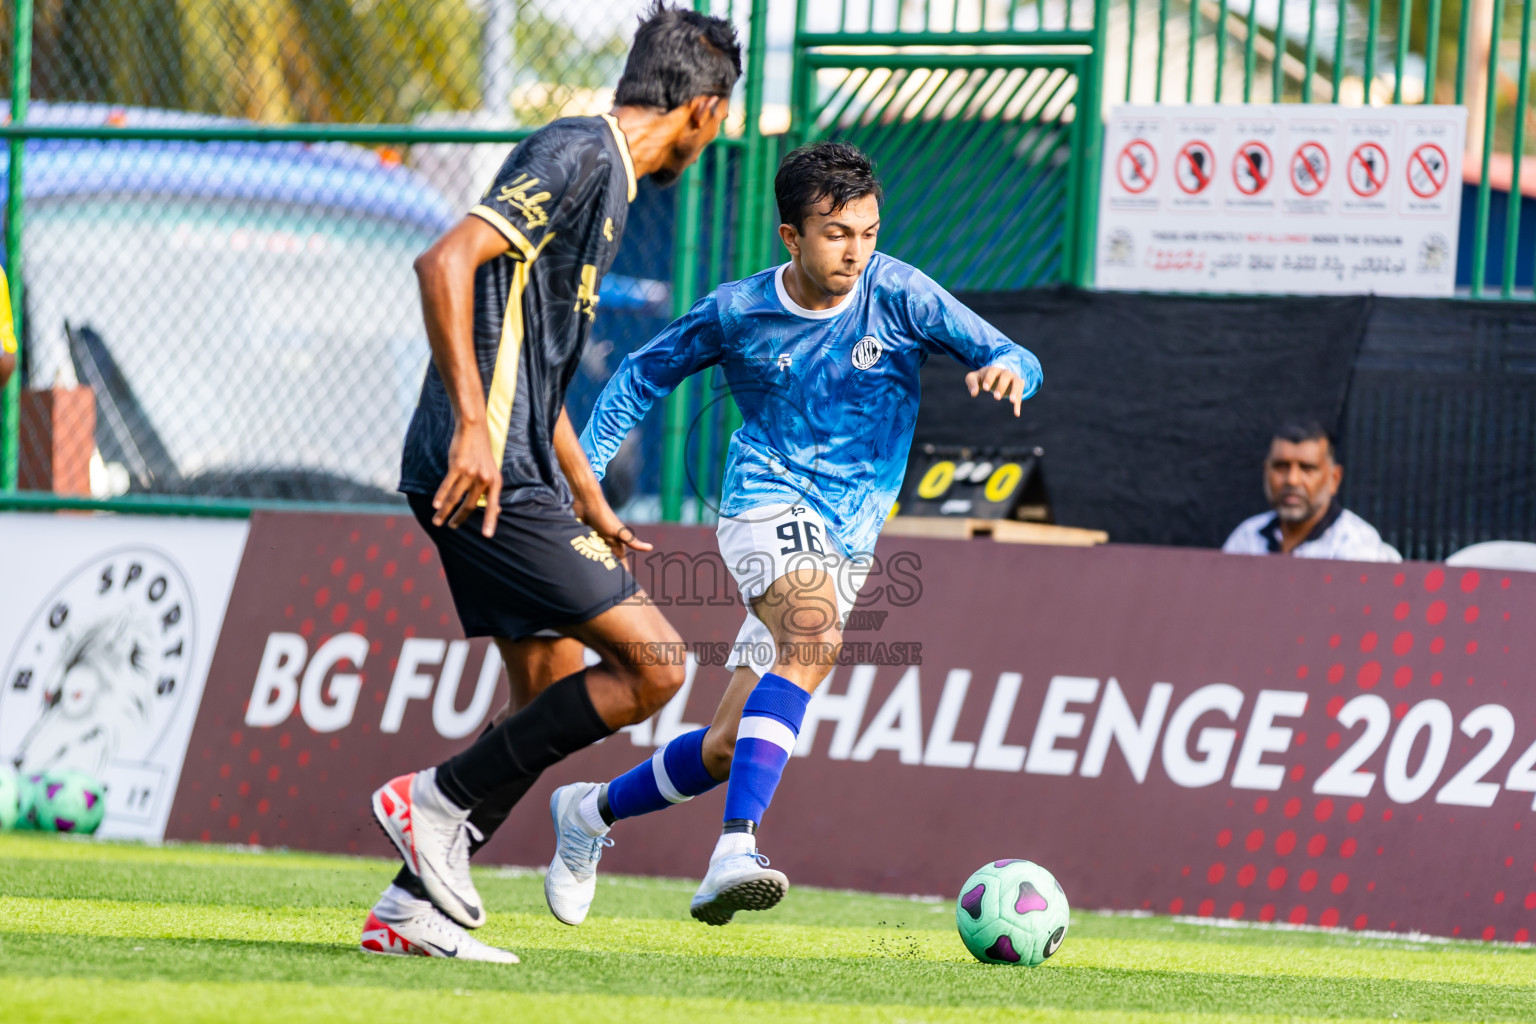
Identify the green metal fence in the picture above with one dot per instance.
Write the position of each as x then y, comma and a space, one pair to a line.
727, 237
983, 120
888, 73
212, 202
212, 208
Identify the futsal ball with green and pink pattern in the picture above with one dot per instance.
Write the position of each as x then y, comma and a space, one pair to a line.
65, 801
1012, 912
10, 797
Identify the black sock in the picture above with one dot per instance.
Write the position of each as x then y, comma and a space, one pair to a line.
493, 810
487, 817
559, 722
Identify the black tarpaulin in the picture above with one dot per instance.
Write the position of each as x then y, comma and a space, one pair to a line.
1157, 410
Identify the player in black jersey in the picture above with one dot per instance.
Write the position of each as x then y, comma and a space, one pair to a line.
495, 474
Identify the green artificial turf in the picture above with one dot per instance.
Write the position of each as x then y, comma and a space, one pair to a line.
98, 931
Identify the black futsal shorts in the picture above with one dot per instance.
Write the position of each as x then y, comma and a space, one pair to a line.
541, 569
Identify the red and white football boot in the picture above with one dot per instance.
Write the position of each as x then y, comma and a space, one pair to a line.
417, 928
433, 837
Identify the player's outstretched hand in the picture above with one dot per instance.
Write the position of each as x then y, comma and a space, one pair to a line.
620, 538
472, 475
1000, 382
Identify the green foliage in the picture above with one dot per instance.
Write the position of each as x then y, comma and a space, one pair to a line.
560, 71
342, 61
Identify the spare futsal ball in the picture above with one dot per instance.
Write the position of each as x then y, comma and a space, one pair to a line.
10, 797
66, 801
26, 800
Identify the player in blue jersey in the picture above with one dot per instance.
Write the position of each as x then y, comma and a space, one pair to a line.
823, 356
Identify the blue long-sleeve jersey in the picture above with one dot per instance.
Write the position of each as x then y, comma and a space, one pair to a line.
828, 398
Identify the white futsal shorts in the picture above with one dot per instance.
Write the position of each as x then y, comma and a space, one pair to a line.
766, 543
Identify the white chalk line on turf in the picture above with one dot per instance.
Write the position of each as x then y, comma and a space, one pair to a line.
1416, 938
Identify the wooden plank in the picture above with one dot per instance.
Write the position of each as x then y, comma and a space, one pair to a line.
1006, 531
1009, 531
944, 527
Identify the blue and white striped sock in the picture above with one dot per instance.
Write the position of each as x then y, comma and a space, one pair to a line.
770, 725
675, 773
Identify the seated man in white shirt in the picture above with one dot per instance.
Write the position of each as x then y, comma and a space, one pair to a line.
1301, 481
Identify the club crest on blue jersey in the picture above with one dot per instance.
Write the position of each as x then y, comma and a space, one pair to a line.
866, 352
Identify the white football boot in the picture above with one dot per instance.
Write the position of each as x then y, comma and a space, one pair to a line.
738, 879
433, 837
401, 925
571, 881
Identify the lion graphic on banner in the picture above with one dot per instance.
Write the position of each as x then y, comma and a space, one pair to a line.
100, 692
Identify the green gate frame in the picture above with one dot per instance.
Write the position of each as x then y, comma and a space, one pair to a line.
1078, 51
688, 410
1077, 256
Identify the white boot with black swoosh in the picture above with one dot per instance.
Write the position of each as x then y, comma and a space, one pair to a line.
433, 838
402, 925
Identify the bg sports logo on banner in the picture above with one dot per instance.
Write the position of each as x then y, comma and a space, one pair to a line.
105, 651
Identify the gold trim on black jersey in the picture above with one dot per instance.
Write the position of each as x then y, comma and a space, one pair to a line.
498, 401
7, 320
623, 143
520, 243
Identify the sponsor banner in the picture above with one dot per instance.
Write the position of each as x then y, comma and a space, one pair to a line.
1290, 198
107, 627
1179, 731
342, 664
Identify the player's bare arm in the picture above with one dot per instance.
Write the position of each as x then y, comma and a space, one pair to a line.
446, 274
587, 493
1000, 382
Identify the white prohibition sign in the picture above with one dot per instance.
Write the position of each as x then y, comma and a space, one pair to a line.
1427, 169
1195, 167
1309, 168
1137, 166
1252, 168
1367, 170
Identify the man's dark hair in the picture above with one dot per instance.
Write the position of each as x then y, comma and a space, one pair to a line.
823, 170
678, 54
1299, 431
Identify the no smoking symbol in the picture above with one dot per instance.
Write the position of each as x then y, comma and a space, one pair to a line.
1252, 168
1137, 166
1195, 167
1309, 169
1367, 170
1427, 169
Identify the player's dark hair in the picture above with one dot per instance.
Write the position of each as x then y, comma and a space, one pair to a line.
823, 170
678, 54
1299, 431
